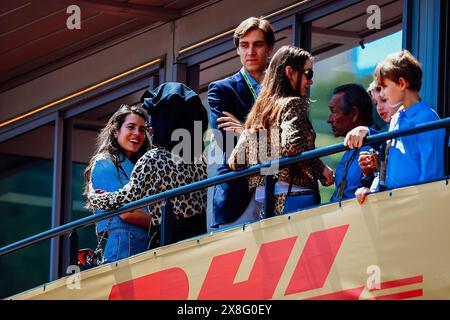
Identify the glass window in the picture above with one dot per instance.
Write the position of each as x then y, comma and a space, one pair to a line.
346, 51
86, 235
26, 185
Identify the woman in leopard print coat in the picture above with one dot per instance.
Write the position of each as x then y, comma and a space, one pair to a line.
171, 106
278, 126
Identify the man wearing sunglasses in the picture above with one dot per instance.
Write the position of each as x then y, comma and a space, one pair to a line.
230, 100
350, 107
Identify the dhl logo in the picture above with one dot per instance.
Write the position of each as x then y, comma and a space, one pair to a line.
310, 273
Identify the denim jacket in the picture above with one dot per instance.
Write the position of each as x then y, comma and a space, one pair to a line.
105, 176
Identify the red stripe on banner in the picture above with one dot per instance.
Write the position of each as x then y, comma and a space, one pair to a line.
401, 295
399, 283
316, 260
170, 284
349, 294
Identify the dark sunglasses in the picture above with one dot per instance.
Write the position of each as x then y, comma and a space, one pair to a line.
309, 74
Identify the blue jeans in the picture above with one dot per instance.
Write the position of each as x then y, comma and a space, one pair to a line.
299, 202
125, 242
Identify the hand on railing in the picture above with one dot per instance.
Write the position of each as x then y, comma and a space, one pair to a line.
361, 194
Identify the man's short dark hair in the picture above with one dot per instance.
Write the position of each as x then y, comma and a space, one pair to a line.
356, 96
253, 23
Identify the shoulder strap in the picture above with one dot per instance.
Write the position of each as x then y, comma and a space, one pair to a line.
294, 170
249, 85
343, 183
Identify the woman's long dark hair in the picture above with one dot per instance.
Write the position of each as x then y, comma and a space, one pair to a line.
276, 85
107, 144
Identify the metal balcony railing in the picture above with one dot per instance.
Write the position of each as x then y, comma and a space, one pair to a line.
269, 186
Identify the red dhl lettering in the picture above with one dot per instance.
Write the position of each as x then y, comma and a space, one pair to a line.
169, 284
310, 273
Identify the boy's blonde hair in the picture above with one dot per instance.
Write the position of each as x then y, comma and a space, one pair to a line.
373, 87
398, 65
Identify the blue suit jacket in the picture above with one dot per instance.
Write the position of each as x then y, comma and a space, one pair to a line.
232, 95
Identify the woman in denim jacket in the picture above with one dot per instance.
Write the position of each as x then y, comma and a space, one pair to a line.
119, 145
178, 122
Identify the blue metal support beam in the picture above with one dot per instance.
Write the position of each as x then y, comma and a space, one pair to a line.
421, 35
269, 196
57, 205
166, 223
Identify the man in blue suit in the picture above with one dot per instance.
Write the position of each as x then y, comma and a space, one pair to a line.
230, 100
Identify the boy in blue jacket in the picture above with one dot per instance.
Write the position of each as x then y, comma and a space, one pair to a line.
410, 159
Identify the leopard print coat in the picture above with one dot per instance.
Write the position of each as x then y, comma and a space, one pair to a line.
294, 134
155, 172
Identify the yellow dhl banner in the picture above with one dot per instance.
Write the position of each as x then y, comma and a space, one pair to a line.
394, 246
